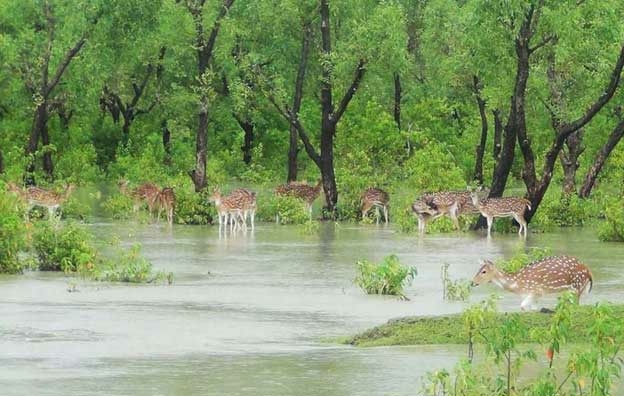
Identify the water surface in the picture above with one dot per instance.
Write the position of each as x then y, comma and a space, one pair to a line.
249, 314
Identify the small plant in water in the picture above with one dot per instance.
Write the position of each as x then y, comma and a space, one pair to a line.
454, 290
388, 277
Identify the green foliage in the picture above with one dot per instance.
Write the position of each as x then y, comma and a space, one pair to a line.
454, 290
12, 235
118, 206
589, 371
68, 248
387, 277
192, 207
520, 260
612, 229
127, 266
563, 211
290, 210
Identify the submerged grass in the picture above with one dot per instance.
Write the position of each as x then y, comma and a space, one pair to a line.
450, 329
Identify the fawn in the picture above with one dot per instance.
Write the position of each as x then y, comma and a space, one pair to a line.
502, 207
377, 198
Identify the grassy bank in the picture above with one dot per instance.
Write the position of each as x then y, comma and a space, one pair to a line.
451, 329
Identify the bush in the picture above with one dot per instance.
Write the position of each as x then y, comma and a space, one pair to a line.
291, 210
66, 248
564, 211
12, 236
521, 260
387, 277
612, 229
128, 266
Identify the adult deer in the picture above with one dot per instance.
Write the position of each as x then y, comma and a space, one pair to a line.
502, 207
302, 191
229, 210
450, 203
166, 200
375, 198
52, 200
145, 192
246, 200
546, 276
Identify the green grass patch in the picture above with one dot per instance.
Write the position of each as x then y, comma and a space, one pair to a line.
450, 329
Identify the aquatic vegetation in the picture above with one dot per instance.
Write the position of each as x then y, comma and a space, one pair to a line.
387, 277
66, 248
454, 290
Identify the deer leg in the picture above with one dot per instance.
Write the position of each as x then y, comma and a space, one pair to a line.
522, 223
377, 214
385, 210
527, 303
490, 220
453, 216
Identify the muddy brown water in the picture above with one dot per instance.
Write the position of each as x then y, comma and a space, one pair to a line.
249, 314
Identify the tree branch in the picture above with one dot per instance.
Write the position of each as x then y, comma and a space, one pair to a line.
359, 74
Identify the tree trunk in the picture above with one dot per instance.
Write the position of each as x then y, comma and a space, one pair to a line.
247, 127
293, 147
198, 175
570, 161
48, 166
480, 149
601, 158
166, 141
498, 133
397, 100
205, 49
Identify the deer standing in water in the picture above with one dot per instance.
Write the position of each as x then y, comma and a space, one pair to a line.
502, 207
424, 213
166, 200
145, 192
302, 191
246, 200
377, 198
51, 200
449, 203
546, 276
229, 210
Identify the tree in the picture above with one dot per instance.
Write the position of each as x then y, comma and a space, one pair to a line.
41, 78
205, 44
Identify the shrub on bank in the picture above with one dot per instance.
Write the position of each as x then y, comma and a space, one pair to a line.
63, 247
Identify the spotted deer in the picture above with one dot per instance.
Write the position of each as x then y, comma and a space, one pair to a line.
247, 199
502, 207
229, 210
145, 192
424, 213
166, 200
375, 198
547, 276
302, 191
52, 200
450, 203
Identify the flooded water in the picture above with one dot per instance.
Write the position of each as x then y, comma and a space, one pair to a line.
250, 314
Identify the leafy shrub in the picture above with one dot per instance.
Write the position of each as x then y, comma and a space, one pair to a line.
12, 236
66, 248
387, 277
118, 206
128, 266
289, 209
192, 207
563, 211
612, 229
520, 260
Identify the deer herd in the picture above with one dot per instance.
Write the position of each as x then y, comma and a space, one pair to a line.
547, 276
